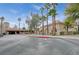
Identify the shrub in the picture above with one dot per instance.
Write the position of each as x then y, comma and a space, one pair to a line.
61, 33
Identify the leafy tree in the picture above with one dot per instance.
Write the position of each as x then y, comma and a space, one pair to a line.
34, 22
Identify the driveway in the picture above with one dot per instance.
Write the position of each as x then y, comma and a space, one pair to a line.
33, 45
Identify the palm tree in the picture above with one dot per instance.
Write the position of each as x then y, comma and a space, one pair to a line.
19, 20
52, 12
2, 19
42, 19
72, 10
47, 6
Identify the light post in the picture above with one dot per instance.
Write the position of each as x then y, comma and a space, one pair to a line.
2, 19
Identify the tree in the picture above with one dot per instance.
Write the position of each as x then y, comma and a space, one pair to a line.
19, 20
2, 19
42, 18
53, 13
47, 7
72, 10
69, 22
34, 23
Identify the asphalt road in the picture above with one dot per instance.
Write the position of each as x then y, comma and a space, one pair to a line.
26, 45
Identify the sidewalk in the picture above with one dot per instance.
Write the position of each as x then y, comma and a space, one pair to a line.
68, 36
62, 36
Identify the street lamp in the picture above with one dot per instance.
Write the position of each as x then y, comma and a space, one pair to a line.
2, 19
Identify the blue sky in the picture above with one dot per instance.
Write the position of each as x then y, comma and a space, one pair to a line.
12, 11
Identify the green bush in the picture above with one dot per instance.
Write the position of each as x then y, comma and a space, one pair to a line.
76, 32
61, 33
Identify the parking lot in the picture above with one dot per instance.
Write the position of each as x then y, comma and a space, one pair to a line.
30, 45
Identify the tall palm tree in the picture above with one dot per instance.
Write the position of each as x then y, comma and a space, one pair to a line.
42, 19
52, 12
72, 10
19, 20
2, 19
47, 7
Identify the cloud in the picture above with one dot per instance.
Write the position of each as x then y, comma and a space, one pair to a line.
60, 17
36, 7
13, 11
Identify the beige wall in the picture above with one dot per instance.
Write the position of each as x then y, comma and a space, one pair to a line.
59, 26
5, 26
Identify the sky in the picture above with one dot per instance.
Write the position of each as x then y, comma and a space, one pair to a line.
12, 11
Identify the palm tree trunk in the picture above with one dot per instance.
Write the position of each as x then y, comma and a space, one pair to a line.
54, 22
47, 26
54, 26
43, 27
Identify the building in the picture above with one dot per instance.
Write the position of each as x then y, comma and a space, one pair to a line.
60, 27
6, 29
5, 26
